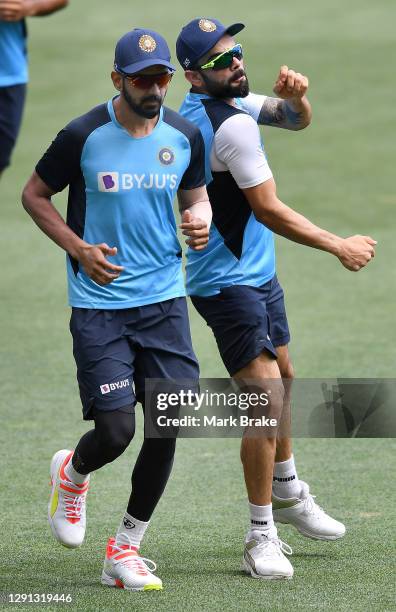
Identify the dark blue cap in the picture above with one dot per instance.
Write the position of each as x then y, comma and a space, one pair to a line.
198, 37
139, 49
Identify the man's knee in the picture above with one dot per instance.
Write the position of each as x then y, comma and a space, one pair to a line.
115, 431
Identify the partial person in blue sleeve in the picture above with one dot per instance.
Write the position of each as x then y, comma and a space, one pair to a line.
14, 66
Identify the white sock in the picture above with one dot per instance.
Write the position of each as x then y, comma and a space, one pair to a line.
261, 518
285, 483
73, 475
130, 531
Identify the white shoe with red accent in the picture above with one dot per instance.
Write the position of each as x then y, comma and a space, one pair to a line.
66, 508
125, 569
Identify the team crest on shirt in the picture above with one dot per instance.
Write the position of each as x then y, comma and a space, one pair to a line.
166, 156
147, 43
108, 181
207, 26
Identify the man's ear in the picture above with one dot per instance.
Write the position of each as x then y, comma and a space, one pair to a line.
116, 77
195, 78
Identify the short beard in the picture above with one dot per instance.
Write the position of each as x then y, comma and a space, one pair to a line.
138, 108
227, 90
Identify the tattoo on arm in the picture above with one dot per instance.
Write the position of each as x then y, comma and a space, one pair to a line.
278, 113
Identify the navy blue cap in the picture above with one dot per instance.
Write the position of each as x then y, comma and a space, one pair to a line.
139, 49
198, 37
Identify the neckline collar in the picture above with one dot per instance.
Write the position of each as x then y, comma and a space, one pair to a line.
110, 108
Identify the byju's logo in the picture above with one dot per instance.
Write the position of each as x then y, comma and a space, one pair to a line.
113, 181
108, 181
120, 384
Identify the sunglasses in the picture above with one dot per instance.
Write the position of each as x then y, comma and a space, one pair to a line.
146, 81
224, 60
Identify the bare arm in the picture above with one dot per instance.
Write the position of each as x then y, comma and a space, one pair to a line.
285, 114
196, 213
15, 10
291, 110
36, 199
353, 252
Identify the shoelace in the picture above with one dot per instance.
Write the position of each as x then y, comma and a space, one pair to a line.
140, 564
311, 507
266, 545
74, 505
135, 561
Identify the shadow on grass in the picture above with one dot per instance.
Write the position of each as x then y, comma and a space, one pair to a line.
313, 555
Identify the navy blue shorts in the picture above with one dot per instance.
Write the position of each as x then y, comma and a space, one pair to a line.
116, 350
12, 101
245, 320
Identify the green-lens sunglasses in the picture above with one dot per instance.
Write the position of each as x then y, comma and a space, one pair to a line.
224, 60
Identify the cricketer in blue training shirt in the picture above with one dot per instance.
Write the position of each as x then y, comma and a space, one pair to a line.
124, 162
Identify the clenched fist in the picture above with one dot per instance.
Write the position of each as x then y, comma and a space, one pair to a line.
356, 252
93, 259
290, 84
13, 10
196, 229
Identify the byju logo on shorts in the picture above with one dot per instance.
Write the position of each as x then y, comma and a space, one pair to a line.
120, 384
108, 181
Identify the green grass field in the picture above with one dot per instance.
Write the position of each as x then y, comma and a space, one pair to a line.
340, 173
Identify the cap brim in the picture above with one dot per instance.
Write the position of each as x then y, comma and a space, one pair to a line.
235, 28
133, 68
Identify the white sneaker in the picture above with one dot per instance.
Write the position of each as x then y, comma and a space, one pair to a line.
66, 508
306, 516
263, 556
125, 569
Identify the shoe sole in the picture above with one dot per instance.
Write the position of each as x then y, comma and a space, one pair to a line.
310, 535
53, 490
118, 584
249, 570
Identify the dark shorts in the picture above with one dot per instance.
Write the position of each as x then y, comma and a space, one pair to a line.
12, 101
245, 320
116, 350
